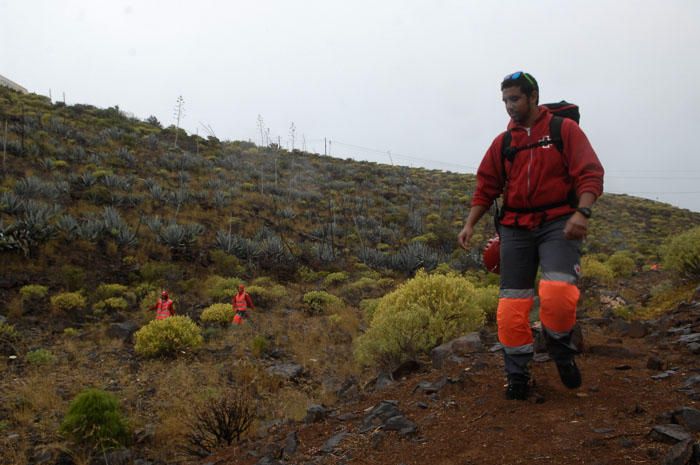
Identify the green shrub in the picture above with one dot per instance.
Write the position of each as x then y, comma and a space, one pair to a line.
593, 271
420, 314
682, 253
40, 357
160, 273
9, 337
94, 419
167, 337
71, 332
334, 279
105, 291
368, 307
267, 297
307, 275
33, 292
622, 264
259, 345
319, 302
221, 314
71, 277
112, 304
226, 264
219, 289
68, 302
362, 285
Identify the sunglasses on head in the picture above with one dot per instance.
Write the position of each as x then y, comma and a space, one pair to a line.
516, 75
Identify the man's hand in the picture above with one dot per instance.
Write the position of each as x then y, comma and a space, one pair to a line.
577, 227
465, 235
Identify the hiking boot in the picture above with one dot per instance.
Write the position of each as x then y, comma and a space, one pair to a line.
569, 374
517, 389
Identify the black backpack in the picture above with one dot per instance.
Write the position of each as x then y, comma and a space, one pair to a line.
560, 110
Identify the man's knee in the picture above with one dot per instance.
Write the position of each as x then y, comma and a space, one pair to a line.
558, 301
513, 321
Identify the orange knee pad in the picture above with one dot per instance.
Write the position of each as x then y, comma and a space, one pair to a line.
558, 305
513, 321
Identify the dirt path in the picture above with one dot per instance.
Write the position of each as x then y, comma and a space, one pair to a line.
606, 421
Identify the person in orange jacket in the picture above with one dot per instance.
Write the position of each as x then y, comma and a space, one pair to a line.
164, 307
242, 303
548, 196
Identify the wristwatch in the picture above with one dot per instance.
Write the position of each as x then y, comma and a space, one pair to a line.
585, 211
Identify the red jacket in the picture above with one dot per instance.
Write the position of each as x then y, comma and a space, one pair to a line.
539, 176
242, 302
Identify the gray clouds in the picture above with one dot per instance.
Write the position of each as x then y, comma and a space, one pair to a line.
418, 78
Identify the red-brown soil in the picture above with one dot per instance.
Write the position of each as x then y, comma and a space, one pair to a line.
606, 421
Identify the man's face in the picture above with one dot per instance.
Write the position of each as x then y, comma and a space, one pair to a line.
518, 105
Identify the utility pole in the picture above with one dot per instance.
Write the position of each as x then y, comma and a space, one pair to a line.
325, 146
179, 110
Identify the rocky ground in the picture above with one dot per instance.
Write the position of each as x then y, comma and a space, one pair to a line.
637, 405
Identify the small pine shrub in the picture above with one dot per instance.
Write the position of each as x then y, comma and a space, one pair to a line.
221, 314
105, 291
94, 419
622, 264
167, 337
682, 253
112, 304
420, 314
40, 357
368, 307
334, 279
33, 292
9, 337
219, 289
593, 271
68, 302
267, 297
71, 332
319, 302
259, 345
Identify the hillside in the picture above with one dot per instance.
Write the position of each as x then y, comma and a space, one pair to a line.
99, 211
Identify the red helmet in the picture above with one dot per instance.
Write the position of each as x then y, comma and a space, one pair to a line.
492, 255
164, 294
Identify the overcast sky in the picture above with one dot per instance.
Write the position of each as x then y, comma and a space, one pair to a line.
418, 79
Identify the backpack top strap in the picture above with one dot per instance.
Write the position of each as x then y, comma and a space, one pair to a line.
555, 132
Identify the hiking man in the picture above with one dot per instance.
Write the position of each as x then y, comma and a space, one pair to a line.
547, 198
164, 307
241, 303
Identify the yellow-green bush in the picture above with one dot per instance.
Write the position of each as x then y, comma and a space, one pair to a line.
368, 307
336, 278
420, 314
226, 264
33, 292
221, 314
622, 264
68, 302
259, 345
9, 337
94, 420
168, 336
682, 253
105, 291
319, 302
219, 289
266, 297
40, 357
112, 304
593, 271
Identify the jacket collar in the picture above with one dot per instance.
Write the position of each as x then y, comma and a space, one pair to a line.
541, 116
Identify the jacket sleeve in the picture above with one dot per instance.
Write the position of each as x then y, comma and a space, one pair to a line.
489, 176
584, 166
249, 301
